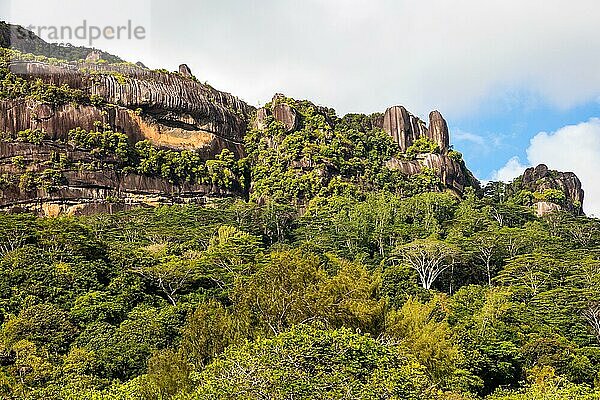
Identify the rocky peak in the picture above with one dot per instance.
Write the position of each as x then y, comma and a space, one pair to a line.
185, 71
438, 130
405, 128
542, 181
281, 111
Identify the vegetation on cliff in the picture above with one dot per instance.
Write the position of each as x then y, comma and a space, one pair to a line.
18, 38
325, 154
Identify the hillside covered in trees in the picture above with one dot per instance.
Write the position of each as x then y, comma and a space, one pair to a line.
227, 252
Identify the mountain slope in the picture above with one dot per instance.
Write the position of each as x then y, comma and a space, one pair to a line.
25, 41
85, 136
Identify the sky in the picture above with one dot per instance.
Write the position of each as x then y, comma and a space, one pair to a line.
517, 81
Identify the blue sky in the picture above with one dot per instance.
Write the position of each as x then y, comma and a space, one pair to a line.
501, 131
518, 81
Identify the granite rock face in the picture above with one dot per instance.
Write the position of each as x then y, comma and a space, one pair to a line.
280, 111
83, 191
438, 131
171, 110
452, 174
185, 71
176, 111
286, 115
180, 112
405, 128
541, 178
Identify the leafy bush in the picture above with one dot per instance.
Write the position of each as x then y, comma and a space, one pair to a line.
422, 145
35, 136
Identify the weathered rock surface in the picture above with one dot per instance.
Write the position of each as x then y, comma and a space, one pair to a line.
402, 126
57, 121
171, 110
185, 71
88, 191
286, 115
451, 173
281, 111
438, 131
178, 107
405, 128
541, 178
260, 120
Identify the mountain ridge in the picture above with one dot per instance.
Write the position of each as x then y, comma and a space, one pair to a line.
175, 113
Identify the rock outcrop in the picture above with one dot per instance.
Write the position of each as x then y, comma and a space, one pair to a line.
405, 128
452, 174
438, 131
280, 111
171, 110
175, 111
82, 191
185, 71
168, 109
541, 179
286, 115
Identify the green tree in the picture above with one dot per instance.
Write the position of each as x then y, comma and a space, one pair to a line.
429, 258
308, 363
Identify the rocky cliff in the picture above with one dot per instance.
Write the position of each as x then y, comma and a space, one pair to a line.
403, 127
552, 190
76, 187
169, 109
44, 101
61, 149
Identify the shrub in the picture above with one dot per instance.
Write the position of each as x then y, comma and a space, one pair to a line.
422, 145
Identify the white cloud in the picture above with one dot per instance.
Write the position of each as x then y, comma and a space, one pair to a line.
462, 136
509, 171
574, 148
359, 55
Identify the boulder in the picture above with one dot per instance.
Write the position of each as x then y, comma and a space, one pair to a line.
541, 178
438, 131
185, 71
286, 115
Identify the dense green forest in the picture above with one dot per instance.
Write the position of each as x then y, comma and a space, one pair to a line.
378, 297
